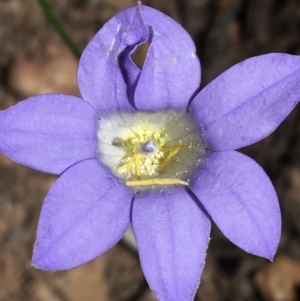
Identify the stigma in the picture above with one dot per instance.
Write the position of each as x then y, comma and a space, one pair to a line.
149, 147
147, 150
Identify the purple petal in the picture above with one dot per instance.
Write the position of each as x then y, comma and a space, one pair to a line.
137, 34
85, 213
248, 101
172, 234
171, 71
49, 132
100, 77
241, 199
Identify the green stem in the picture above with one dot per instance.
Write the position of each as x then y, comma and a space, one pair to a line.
59, 28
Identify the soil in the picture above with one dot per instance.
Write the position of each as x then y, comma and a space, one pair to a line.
33, 59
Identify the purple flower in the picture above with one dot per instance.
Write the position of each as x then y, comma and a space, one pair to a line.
131, 152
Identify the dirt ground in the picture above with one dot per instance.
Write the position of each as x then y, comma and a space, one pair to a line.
34, 60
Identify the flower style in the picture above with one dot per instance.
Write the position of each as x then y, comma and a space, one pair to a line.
139, 148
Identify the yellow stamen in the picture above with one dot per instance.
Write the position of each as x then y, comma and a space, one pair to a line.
137, 166
171, 154
167, 181
127, 166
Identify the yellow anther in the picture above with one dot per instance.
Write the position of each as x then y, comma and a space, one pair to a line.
171, 154
137, 166
166, 181
127, 166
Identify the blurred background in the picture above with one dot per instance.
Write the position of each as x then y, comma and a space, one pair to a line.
33, 59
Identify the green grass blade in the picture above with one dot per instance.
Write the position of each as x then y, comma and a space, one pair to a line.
59, 28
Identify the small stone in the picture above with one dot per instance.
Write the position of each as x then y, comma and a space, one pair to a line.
279, 280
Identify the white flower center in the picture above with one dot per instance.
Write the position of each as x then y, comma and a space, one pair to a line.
149, 149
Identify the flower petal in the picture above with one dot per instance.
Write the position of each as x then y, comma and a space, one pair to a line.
248, 101
171, 71
85, 213
49, 132
241, 199
100, 76
137, 34
172, 234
